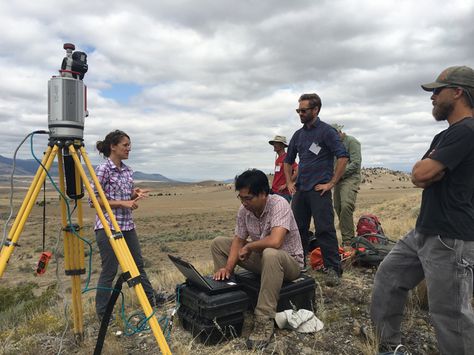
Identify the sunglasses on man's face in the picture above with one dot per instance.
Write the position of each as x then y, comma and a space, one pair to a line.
303, 110
437, 91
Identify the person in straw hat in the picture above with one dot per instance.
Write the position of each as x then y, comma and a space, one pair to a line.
279, 181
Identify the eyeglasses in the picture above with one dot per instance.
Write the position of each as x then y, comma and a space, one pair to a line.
437, 91
303, 110
245, 198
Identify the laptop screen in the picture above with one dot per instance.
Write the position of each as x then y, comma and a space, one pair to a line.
208, 284
189, 272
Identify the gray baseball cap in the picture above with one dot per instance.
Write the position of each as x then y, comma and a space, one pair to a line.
461, 76
338, 127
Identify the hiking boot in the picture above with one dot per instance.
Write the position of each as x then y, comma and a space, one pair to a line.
332, 278
261, 334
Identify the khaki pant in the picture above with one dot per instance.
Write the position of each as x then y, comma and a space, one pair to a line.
274, 266
345, 195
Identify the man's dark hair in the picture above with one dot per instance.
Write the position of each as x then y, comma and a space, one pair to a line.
469, 96
314, 100
253, 179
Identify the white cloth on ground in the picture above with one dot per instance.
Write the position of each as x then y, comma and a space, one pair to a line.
303, 321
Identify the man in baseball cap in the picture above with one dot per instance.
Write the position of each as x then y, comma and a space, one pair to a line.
440, 249
453, 77
345, 191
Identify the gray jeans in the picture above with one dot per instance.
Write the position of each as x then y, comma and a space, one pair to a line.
447, 266
110, 266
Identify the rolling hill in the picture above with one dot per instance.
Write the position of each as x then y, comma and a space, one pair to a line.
28, 167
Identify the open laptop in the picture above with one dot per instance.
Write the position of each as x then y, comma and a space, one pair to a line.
205, 283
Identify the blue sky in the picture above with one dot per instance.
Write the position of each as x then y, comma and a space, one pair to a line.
122, 92
201, 89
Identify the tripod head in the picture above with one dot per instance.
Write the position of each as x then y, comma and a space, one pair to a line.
67, 97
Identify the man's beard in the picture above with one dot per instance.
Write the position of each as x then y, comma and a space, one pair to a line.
306, 118
442, 111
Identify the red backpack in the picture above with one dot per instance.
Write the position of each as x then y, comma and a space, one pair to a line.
369, 227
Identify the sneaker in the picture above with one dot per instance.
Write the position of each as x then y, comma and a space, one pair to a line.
332, 278
261, 334
394, 350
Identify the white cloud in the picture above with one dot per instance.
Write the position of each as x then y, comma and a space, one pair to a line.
220, 78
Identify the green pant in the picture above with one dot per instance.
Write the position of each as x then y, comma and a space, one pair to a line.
345, 195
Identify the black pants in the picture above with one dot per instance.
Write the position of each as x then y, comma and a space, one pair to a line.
110, 265
307, 204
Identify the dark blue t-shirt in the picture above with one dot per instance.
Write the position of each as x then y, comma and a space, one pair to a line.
447, 206
316, 147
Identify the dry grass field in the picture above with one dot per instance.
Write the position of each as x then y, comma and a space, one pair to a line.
182, 220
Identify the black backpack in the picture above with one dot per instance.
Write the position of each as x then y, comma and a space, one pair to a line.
369, 254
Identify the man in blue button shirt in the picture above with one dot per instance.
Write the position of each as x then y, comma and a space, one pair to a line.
316, 144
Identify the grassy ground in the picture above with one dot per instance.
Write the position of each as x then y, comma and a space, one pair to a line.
181, 220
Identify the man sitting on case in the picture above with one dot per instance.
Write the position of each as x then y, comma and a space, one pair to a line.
274, 250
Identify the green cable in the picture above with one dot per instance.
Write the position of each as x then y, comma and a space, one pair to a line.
70, 224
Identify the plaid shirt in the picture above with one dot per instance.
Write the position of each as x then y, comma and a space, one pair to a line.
117, 184
277, 213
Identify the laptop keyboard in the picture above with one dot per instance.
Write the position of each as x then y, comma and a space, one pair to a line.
219, 284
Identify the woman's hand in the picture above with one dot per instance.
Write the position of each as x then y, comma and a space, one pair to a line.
139, 193
132, 204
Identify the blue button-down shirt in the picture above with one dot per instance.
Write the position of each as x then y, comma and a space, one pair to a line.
316, 147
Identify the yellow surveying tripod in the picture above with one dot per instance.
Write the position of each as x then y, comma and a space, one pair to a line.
74, 263
66, 112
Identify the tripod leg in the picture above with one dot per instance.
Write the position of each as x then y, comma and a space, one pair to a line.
127, 264
25, 208
73, 251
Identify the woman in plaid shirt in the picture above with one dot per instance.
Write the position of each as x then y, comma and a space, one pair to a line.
116, 180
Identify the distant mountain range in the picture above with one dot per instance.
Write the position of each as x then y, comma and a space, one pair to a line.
28, 167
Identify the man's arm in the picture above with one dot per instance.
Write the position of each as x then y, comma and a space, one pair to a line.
427, 171
338, 171
228, 269
273, 240
290, 183
294, 175
295, 172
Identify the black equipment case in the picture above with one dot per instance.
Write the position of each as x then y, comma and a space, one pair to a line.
211, 331
211, 318
299, 292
